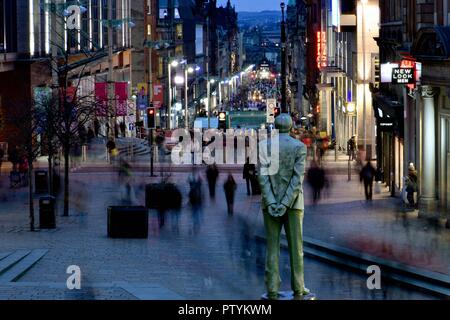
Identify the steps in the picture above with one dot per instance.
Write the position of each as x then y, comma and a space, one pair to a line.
428, 281
14, 265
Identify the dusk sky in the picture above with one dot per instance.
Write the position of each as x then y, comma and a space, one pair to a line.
254, 5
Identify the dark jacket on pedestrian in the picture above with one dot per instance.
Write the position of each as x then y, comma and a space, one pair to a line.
367, 173
249, 171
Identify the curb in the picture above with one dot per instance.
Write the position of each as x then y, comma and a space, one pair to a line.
428, 281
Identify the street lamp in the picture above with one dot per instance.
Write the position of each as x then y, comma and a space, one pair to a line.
170, 65
284, 108
363, 35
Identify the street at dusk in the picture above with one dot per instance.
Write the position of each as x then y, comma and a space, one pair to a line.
231, 150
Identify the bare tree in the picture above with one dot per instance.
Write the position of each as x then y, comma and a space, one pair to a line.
23, 116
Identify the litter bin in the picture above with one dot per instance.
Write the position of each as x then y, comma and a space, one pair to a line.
41, 182
47, 214
128, 222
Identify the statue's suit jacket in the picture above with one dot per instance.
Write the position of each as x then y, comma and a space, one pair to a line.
286, 186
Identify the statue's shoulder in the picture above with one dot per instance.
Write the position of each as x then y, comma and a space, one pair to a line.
297, 143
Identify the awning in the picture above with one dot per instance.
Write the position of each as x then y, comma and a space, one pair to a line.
389, 114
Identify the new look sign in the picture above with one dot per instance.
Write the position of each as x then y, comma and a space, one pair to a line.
403, 76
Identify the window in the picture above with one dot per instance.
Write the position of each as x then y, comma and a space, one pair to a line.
179, 50
179, 31
160, 66
199, 39
348, 7
149, 7
163, 9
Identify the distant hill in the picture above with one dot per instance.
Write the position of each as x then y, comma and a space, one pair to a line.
250, 19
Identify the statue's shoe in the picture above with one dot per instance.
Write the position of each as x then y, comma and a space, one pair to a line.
305, 292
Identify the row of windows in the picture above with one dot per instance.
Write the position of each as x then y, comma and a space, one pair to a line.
8, 23
93, 26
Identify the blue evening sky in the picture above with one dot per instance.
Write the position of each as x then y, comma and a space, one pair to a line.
253, 5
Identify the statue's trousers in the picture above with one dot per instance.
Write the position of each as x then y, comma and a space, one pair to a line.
293, 225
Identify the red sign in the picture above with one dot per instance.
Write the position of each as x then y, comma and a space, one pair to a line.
101, 98
121, 89
321, 49
158, 95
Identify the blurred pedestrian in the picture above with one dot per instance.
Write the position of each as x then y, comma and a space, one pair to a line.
195, 198
316, 179
96, 127
90, 135
23, 170
351, 146
367, 175
230, 190
412, 182
249, 175
2, 154
212, 173
123, 129
112, 151
14, 158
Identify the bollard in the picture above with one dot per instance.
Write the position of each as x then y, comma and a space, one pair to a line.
84, 153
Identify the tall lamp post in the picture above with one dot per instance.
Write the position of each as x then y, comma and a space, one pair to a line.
363, 35
187, 70
170, 65
284, 107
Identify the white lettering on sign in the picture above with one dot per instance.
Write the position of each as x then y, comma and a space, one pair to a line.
73, 18
403, 75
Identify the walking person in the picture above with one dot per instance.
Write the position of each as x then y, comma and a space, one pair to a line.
14, 158
230, 191
212, 173
316, 179
351, 145
96, 127
111, 147
123, 129
249, 175
195, 199
412, 182
367, 175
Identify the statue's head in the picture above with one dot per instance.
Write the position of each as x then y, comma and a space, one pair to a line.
283, 123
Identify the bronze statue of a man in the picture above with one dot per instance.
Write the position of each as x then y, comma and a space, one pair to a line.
283, 206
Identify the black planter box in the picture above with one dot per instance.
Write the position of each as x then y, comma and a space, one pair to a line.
128, 222
163, 196
47, 213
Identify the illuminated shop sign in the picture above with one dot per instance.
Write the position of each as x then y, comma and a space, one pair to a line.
403, 76
406, 72
321, 49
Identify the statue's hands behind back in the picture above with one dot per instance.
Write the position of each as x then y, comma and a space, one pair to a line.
277, 211
272, 209
281, 209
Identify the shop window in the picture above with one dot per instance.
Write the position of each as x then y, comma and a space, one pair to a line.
179, 31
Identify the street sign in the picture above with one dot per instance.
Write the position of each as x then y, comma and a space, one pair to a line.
271, 106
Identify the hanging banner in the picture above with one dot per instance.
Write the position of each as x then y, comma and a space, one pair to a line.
121, 98
142, 89
142, 103
158, 95
101, 99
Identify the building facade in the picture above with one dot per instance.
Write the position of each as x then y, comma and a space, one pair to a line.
35, 33
342, 54
415, 35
